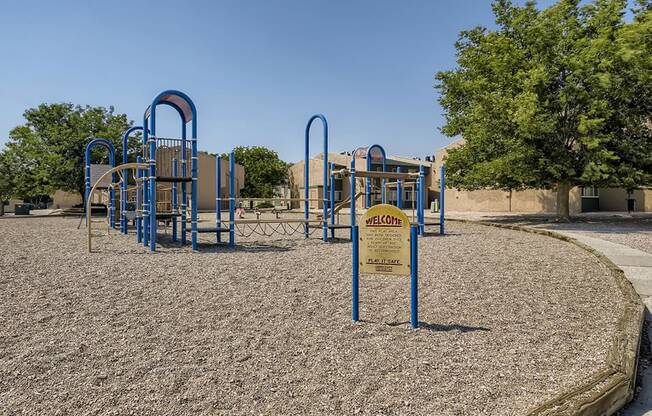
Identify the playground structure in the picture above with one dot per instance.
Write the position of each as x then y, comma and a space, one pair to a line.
127, 210
158, 163
158, 188
110, 174
170, 152
95, 173
285, 226
413, 180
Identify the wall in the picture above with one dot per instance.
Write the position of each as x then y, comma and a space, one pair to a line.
614, 199
206, 182
62, 199
11, 206
531, 200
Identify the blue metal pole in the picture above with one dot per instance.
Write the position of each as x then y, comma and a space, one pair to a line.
355, 276
399, 191
87, 182
145, 208
218, 197
184, 188
306, 185
174, 200
442, 189
367, 197
414, 277
382, 183
112, 195
418, 201
123, 207
353, 218
232, 199
193, 190
184, 198
422, 227
331, 187
123, 190
146, 212
152, 184
325, 181
139, 202
112, 207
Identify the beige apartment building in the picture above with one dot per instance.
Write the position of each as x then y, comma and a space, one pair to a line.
206, 181
343, 185
205, 184
582, 199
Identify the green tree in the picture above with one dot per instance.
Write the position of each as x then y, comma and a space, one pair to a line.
6, 181
551, 99
263, 170
47, 152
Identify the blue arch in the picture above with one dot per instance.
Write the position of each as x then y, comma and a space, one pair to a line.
146, 116
99, 141
179, 111
384, 163
187, 113
125, 141
123, 189
306, 173
352, 191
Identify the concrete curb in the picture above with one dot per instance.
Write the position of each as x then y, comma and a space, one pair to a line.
611, 387
23, 217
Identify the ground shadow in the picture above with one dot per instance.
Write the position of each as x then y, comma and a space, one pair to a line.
437, 234
442, 328
603, 223
339, 240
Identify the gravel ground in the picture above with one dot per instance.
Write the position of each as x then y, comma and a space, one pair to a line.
509, 319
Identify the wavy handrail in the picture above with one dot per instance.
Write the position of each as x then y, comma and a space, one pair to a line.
100, 179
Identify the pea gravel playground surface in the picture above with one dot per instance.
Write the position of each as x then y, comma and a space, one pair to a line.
509, 320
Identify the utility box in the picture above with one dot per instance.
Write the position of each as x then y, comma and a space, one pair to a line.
22, 209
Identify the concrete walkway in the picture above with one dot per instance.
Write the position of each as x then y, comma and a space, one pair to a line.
637, 266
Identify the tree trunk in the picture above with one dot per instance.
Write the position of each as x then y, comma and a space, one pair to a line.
2, 208
510, 200
563, 206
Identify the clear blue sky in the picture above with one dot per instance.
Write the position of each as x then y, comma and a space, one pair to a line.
256, 69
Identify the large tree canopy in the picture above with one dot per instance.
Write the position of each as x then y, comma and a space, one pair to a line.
263, 170
553, 98
47, 152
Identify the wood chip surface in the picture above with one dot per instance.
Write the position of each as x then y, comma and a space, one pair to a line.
508, 320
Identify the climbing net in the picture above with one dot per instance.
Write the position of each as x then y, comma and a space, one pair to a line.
266, 229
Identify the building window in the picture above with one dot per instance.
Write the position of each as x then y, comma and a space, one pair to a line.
590, 192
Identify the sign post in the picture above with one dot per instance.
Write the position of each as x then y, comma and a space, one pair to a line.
385, 244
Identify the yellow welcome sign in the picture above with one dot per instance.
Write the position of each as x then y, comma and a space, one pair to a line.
384, 239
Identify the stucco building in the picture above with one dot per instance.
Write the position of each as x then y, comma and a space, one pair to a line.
581, 199
205, 184
343, 185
